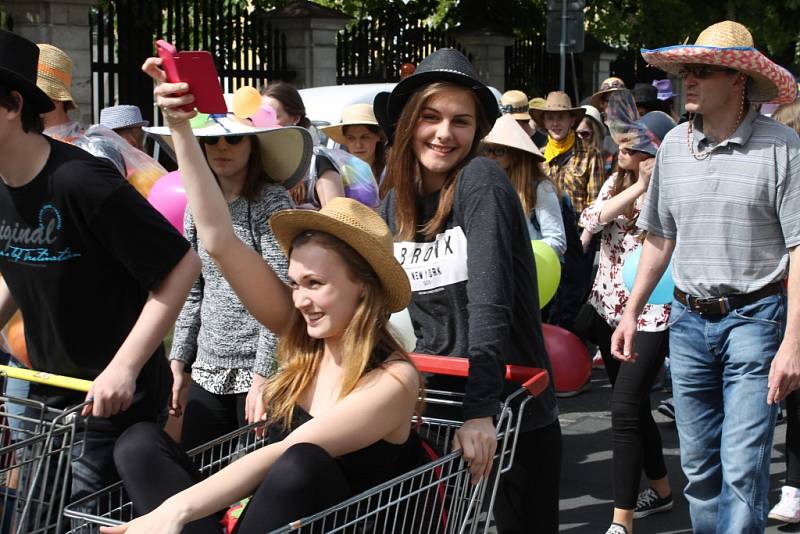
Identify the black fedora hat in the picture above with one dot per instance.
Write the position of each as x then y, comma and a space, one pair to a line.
19, 60
443, 65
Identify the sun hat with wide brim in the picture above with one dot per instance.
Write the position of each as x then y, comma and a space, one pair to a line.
19, 58
357, 114
358, 226
443, 65
54, 74
507, 132
729, 44
515, 103
557, 101
608, 86
285, 151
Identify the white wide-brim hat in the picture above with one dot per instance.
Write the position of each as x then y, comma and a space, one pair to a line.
508, 132
285, 151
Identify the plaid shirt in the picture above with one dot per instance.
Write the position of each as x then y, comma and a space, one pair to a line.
579, 173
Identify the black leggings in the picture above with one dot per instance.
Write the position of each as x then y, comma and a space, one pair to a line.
637, 441
303, 480
793, 439
209, 416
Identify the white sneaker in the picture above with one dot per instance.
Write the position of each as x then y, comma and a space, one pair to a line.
788, 509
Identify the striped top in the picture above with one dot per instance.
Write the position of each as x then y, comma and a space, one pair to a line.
733, 214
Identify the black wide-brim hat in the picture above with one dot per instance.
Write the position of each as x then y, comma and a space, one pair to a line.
19, 59
443, 65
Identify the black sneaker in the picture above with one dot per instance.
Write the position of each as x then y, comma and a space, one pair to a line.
649, 503
666, 408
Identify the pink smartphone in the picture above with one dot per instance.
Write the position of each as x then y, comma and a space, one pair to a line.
197, 69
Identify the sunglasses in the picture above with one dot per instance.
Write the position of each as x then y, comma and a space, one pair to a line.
701, 72
496, 151
584, 134
230, 139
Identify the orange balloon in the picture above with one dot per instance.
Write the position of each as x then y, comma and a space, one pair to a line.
16, 342
246, 102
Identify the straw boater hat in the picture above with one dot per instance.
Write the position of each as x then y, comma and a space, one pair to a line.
18, 60
358, 226
507, 132
124, 116
54, 75
557, 101
443, 65
609, 85
285, 151
729, 44
351, 115
515, 103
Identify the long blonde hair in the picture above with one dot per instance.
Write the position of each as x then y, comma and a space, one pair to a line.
403, 173
367, 342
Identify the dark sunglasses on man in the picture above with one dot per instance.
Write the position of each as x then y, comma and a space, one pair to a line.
214, 139
701, 72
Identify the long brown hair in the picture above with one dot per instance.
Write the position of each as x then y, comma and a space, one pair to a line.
255, 177
380, 150
525, 174
367, 341
403, 173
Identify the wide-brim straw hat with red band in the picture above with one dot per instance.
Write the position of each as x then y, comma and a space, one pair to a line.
54, 74
730, 44
557, 101
358, 226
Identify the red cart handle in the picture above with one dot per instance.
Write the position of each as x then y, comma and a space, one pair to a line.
533, 379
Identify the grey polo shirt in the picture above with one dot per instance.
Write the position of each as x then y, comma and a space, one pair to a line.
733, 214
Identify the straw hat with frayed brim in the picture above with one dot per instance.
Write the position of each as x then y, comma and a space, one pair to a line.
54, 75
557, 101
357, 114
285, 151
18, 65
443, 65
358, 226
507, 132
729, 44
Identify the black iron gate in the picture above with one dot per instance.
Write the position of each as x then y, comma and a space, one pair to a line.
246, 50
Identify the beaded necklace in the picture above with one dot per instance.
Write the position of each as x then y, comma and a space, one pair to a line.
690, 134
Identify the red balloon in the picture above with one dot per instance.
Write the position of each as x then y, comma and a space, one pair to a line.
569, 358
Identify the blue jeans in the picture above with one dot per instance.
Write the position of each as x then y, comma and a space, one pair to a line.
720, 367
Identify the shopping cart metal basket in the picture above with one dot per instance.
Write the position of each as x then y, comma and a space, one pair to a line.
35, 453
434, 498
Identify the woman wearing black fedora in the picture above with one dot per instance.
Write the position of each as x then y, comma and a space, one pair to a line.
461, 236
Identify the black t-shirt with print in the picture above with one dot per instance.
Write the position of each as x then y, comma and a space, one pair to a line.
80, 249
474, 290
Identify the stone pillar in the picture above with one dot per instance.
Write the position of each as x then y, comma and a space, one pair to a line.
65, 24
311, 31
596, 68
488, 50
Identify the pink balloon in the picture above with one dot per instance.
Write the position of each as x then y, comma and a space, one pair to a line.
168, 197
568, 358
265, 117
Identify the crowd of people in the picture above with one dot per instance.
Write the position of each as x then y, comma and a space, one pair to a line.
292, 256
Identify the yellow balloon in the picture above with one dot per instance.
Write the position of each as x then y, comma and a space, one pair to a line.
548, 270
246, 102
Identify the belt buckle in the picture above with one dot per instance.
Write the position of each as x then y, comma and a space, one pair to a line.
721, 303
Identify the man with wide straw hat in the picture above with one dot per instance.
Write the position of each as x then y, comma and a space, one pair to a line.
577, 169
724, 198
98, 274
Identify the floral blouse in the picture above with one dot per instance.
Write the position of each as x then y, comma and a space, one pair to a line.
619, 238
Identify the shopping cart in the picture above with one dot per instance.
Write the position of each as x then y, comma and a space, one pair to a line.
35, 453
434, 498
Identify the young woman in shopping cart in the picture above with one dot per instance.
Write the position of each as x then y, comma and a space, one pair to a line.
461, 236
341, 407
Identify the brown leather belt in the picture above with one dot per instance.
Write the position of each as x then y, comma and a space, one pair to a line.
723, 305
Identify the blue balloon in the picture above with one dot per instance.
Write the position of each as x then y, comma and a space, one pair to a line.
662, 294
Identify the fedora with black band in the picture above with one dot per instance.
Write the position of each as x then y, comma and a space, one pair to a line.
729, 44
358, 226
285, 151
19, 59
443, 65
515, 103
557, 101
